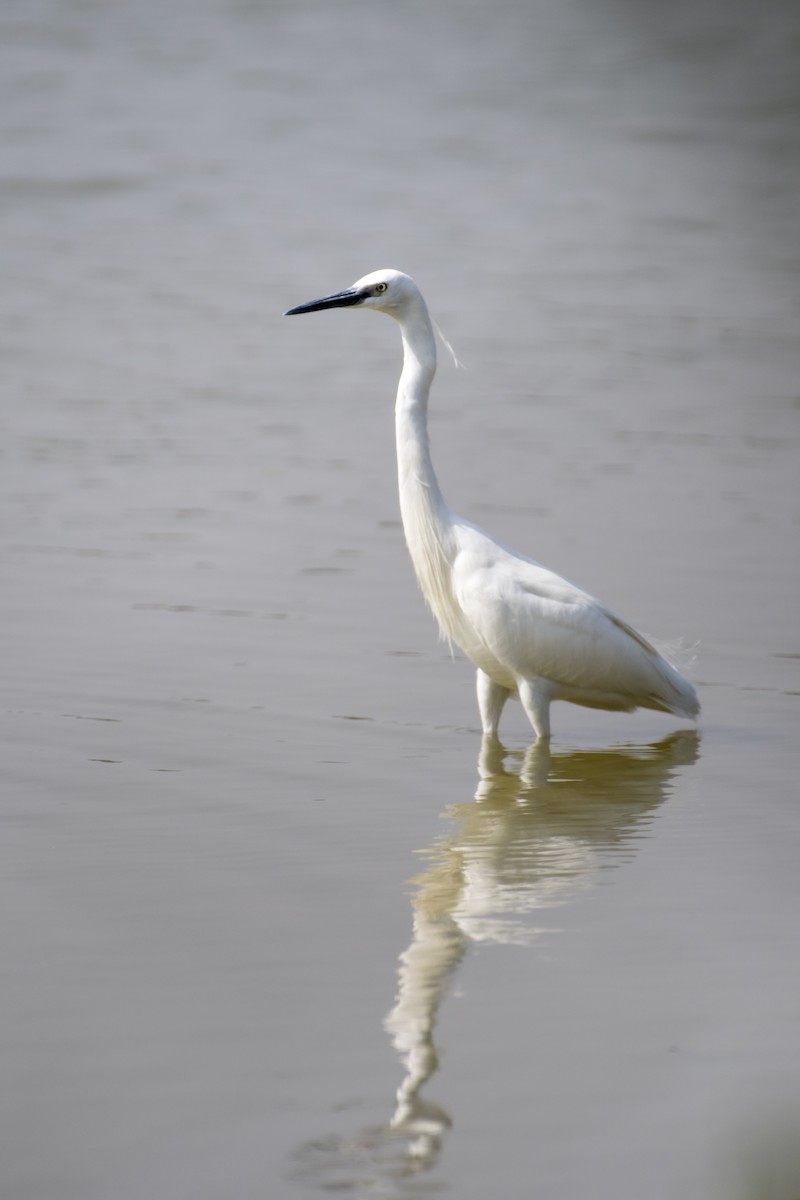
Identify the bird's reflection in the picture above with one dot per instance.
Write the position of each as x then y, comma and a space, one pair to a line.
539, 830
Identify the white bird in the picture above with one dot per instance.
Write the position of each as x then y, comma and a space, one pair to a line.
530, 633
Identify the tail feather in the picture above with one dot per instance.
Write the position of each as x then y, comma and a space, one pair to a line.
676, 695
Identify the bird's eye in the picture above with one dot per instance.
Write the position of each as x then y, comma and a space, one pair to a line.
380, 288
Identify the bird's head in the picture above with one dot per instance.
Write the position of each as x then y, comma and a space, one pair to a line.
387, 291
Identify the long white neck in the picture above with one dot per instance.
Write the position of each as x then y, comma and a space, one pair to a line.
427, 521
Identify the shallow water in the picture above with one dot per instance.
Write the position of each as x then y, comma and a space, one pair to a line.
273, 922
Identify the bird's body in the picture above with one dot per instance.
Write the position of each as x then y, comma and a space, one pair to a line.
530, 633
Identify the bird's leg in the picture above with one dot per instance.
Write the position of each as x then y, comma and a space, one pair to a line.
491, 698
535, 697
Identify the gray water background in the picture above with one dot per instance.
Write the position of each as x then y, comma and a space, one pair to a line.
271, 924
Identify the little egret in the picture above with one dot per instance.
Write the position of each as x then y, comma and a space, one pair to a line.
530, 633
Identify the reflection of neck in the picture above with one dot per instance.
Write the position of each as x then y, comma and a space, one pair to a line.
425, 968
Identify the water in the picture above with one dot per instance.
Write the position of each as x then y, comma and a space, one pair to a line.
272, 925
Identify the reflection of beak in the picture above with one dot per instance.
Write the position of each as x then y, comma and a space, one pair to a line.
337, 300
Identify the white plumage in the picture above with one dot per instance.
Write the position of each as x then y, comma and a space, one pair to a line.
530, 633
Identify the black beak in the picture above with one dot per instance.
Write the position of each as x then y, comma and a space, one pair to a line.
337, 300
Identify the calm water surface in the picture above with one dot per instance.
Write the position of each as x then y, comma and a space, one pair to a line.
273, 922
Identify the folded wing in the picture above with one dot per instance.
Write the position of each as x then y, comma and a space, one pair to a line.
539, 625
